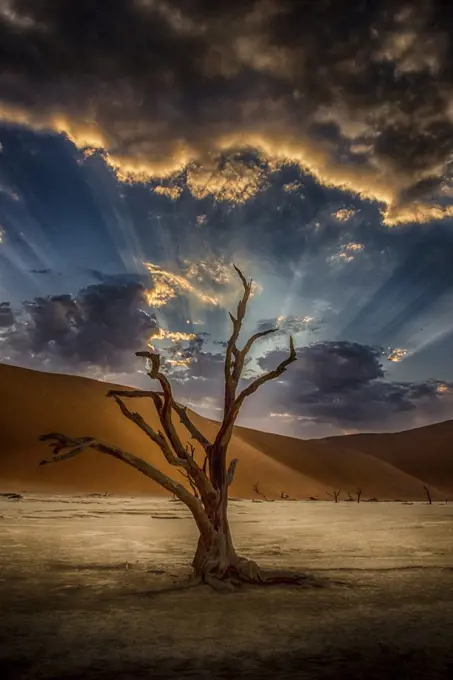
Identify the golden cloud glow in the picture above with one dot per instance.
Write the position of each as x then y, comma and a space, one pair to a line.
81, 134
174, 336
397, 355
343, 215
235, 181
160, 294
167, 285
172, 192
179, 362
213, 270
292, 187
131, 170
442, 389
347, 252
419, 212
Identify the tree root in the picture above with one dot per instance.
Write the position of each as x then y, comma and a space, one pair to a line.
243, 571
192, 582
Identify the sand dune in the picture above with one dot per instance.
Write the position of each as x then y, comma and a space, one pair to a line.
34, 402
425, 452
335, 465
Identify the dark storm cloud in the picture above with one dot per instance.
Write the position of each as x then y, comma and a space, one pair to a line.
6, 315
102, 326
331, 366
332, 387
343, 386
360, 92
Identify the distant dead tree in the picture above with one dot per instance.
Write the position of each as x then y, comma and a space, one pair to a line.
335, 493
257, 490
216, 561
284, 496
358, 494
428, 493
349, 498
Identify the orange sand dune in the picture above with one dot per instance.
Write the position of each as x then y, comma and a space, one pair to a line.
335, 465
33, 402
426, 452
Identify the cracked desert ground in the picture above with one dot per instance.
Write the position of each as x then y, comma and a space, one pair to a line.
80, 579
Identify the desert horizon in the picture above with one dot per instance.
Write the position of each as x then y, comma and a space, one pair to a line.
36, 402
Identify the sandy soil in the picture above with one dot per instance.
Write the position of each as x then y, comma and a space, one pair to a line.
80, 580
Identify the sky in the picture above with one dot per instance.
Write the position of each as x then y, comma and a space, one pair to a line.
147, 145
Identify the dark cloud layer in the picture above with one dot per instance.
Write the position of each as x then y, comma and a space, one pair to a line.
101, 327
332, 366
333, 387
360, 92
344, 386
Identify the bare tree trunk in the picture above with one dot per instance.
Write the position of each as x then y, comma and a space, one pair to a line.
215, 556
428, 493
217, 564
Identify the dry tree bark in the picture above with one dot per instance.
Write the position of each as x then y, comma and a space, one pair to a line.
428, 493
215, 562
334, 494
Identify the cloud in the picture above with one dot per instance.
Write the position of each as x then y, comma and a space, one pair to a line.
6, 315
290, 324
359, 94
331, 366
100, 327
342, 385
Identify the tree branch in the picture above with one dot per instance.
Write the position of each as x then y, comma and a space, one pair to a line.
226, 429
78, 445
169, 402
231, 471
232, 350
271, 375
180, 410
190, 427
191, 483
241, 355
187, 461
157, 437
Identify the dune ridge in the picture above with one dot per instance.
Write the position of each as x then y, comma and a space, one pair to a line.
34, 402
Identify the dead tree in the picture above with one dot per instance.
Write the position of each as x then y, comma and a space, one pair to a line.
428, 493
257, 490
349, 498
334, 494
359, 494
216, 561
284, 496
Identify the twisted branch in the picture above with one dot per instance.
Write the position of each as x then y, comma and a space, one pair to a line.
177, 456
59, 441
